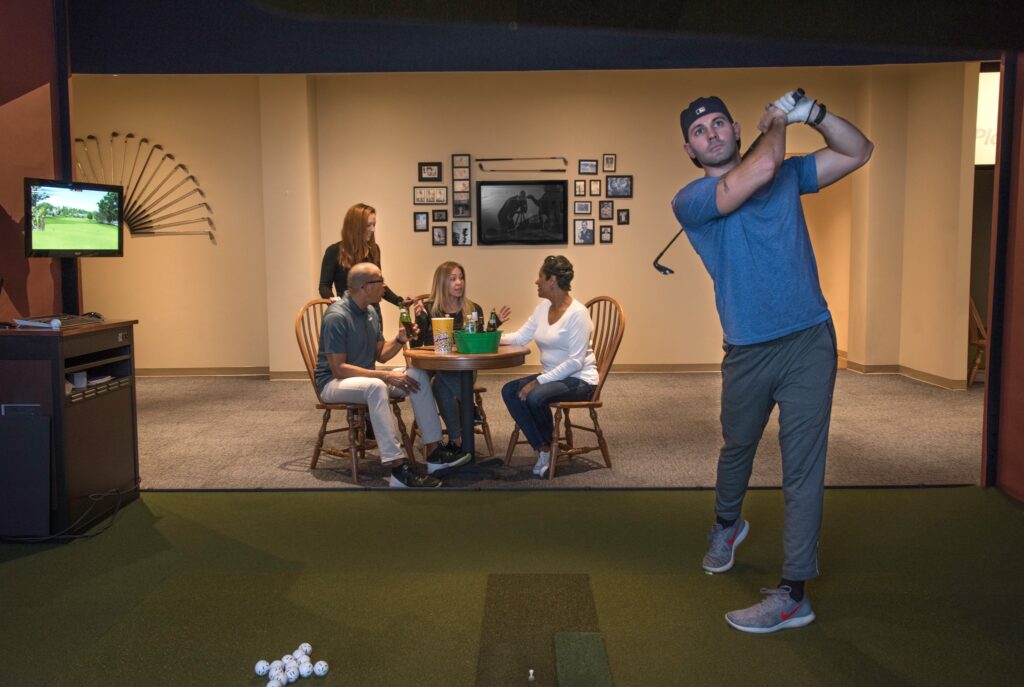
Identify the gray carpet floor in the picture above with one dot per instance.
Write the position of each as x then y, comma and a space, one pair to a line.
662, 430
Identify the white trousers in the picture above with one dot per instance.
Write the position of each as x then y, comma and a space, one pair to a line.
374, 393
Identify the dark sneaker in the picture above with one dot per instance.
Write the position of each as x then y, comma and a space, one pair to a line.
446, 457
722, 543
776, 611
404, 476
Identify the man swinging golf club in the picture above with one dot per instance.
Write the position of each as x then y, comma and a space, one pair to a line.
745, 220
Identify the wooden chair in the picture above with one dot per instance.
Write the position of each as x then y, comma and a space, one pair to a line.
483, 429
609, 325
978, 337
307, 333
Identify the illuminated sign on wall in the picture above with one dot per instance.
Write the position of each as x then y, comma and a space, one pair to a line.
988, 110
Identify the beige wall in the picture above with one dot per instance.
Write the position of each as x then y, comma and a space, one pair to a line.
199, 304
292, 153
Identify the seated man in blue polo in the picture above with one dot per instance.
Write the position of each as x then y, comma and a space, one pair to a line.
351, 343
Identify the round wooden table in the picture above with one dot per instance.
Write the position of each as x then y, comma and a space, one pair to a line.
466, 364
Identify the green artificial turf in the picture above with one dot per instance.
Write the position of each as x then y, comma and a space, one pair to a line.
919, 586
75, 233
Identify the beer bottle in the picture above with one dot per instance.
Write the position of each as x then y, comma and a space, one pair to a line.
403, 317
492, 322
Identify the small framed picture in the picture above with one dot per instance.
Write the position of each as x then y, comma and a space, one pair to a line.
608, 164
430, 171
595, 187
588, 166
419, 221
460, 172
439, 215
622, 216
460, 197
429, 195
440, 236
618, 186
606, 209
461, 186
461, 210
606, 233
579, 187
583, 232
460, 160
462, 233
582, 207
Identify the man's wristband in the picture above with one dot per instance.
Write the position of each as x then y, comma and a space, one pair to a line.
822, 111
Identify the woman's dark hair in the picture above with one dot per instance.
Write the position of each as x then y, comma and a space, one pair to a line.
559, 267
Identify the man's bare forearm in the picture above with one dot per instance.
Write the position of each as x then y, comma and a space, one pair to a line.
843, 137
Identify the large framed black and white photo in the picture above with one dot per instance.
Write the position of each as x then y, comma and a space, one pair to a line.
618, 186
525, 212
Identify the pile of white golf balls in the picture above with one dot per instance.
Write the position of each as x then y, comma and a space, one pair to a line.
291, 667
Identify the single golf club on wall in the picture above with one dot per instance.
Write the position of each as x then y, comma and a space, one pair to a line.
798, 95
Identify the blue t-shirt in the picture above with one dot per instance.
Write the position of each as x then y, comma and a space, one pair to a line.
347, 329
759, 256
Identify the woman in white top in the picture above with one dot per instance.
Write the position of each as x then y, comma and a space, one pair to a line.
561, 327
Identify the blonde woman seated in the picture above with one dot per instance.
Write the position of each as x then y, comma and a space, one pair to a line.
448, 299
561, 327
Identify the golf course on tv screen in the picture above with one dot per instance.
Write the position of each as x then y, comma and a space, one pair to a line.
74, 219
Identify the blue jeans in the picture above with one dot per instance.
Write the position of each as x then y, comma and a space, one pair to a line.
534, 414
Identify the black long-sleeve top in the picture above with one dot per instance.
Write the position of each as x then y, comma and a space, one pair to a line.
334, 275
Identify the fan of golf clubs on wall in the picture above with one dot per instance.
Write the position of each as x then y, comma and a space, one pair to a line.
161, 197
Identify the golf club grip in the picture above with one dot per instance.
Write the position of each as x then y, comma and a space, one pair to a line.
798, 95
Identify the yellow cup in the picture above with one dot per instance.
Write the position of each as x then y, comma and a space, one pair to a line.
444, 328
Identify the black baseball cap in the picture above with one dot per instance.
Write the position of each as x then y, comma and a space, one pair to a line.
697, 109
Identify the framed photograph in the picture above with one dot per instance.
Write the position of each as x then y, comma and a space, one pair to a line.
440, 236
583, 232
608, 164
588, 166
582, 207
460, 160
430, 171
429, 195
461, 186
461, 197
526, 212
606, 233
579, 187
439, 215
460, 172
618, 186
622, 217
461, 210
595, 187
419, 221
462, 233
606, 209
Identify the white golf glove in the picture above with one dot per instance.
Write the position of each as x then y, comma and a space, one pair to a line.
796, 111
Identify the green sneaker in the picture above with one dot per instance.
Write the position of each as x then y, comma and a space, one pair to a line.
775, 612
446, 457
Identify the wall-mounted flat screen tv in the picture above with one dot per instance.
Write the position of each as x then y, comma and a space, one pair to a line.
72, 219
531, 212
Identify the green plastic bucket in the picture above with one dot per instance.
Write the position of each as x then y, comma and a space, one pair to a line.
480, 342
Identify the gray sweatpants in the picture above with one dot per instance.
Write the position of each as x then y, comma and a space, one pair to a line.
797, 372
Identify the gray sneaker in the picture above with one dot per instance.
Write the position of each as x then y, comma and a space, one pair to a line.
775, 612
722, 543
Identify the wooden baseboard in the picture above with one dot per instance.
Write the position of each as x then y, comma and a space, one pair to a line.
926, 377
203, 372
